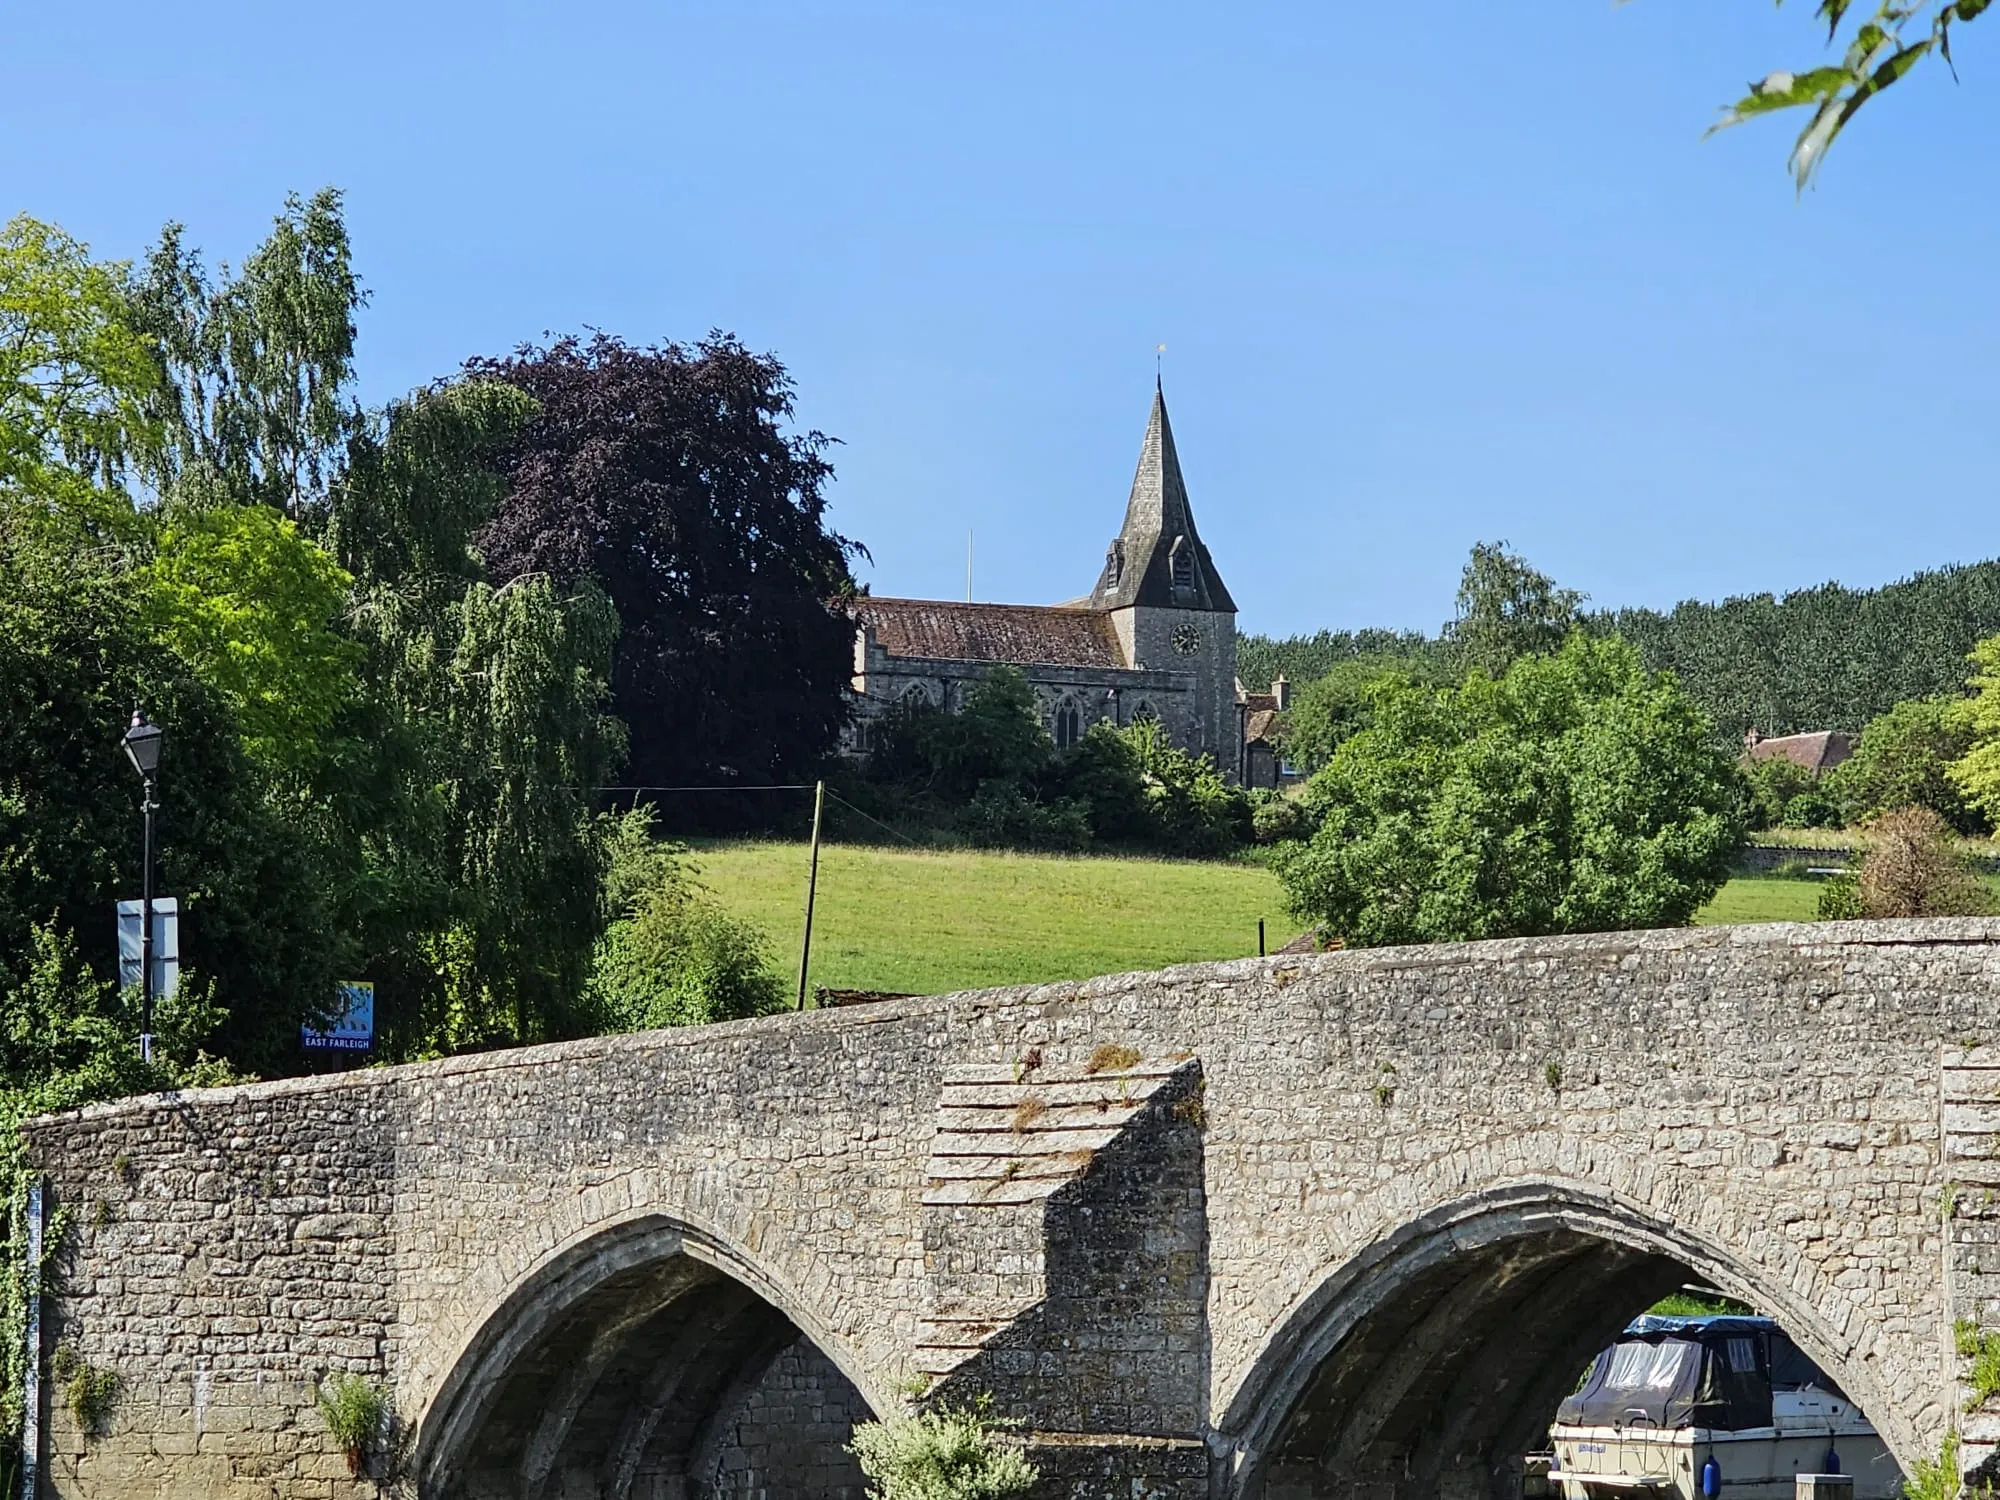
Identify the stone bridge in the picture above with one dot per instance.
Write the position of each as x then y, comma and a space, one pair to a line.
1334, 1226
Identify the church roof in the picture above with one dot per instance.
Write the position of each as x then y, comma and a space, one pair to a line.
1022, 634
1158, 559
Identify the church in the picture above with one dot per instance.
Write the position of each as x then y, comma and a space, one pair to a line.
1155, 639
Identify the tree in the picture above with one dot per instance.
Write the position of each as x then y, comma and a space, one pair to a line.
1876, 52
663, 475
75, 655
1507, 610
1329, 710
1903, 759
481, 743
75, 374
251, 605
1577, 793
253, 368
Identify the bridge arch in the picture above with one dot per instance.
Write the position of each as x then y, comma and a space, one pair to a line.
1422, 1365
632, 1361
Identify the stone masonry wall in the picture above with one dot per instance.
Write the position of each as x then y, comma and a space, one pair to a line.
789, 1440
1762, 1104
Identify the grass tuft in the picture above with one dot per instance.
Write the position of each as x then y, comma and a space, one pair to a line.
1112, 1057
1028, 1111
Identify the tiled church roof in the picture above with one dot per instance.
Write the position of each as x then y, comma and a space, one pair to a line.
1025, 634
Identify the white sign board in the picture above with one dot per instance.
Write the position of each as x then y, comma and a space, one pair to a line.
353, 1028
166, 946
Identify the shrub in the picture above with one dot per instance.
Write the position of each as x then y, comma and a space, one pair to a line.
1812, 809
1913, 868
1772, 786
355, 1410
1275, 818
1840, 899
673, 957
950, 1454
1003, 816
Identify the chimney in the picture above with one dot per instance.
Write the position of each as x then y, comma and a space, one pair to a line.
1282, 691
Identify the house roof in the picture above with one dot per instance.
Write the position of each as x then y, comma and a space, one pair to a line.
1022, 634
1821, 750
1257, 726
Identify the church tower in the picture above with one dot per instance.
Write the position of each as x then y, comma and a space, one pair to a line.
1168, 604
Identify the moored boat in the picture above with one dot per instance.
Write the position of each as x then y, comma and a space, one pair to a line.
1711, 1408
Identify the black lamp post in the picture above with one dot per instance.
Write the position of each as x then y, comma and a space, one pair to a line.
142, 748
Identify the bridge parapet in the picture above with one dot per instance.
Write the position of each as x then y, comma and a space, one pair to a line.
1327, 1180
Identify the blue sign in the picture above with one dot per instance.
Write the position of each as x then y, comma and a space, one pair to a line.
353, 1028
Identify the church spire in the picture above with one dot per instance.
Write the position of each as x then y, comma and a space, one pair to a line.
1158, 559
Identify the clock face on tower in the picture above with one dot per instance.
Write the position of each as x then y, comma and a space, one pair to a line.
1186, 639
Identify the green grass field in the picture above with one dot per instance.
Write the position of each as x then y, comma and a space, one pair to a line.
926, 922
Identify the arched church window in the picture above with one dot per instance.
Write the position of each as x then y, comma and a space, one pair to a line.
1181, 560
915, 696
1068, 724
1145, 713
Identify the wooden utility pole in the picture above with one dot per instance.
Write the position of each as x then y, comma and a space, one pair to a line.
812, 889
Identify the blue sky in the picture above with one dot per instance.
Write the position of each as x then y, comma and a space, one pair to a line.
1426, 274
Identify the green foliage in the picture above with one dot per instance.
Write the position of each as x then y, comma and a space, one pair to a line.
254, 367
355, 1410
1302, 659
1190, 807
75, 655
1980, 1349
1772, 787
1879, 51
88, 1392
1507, 610
1976, 773
1577, 793
475, 885
991, 774
1904, 759
1938, 1478
250, 605
1819, 658
948, 1454
1275, 818
1840, 900
1694, 1305
1331, 709
74, 373
1811, 809
673, 956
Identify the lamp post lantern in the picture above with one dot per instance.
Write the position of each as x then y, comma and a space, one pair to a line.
142, 748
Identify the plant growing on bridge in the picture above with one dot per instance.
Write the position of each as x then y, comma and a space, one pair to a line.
953, 1453
88, 1392
1936, 1479
1982, 1349
356, 1412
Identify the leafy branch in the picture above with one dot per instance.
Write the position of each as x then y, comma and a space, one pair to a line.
1881, 51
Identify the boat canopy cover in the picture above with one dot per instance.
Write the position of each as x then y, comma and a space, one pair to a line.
1679, 1372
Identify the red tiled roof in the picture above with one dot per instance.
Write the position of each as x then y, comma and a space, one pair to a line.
1026, 634
1821, 750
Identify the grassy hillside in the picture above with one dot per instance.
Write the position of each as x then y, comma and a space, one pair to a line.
925, 922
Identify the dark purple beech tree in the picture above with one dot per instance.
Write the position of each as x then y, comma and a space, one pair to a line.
664, 474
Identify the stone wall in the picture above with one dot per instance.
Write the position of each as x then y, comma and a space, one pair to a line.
1313, 1154
788, 1441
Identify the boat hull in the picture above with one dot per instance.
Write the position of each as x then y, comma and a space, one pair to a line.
1759, 1463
